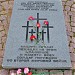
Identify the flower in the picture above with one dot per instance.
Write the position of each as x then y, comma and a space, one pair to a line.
30, 73
31, 18
32, 37
26, 70
38, 25
19, 71
12, 74
46, 22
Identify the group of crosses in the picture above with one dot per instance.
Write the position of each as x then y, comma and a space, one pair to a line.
38, 25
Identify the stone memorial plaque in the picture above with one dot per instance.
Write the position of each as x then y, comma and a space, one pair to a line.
37, 36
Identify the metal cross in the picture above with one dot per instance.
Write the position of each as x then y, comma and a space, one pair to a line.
27, 27
47, 30
32, 32
38, 19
